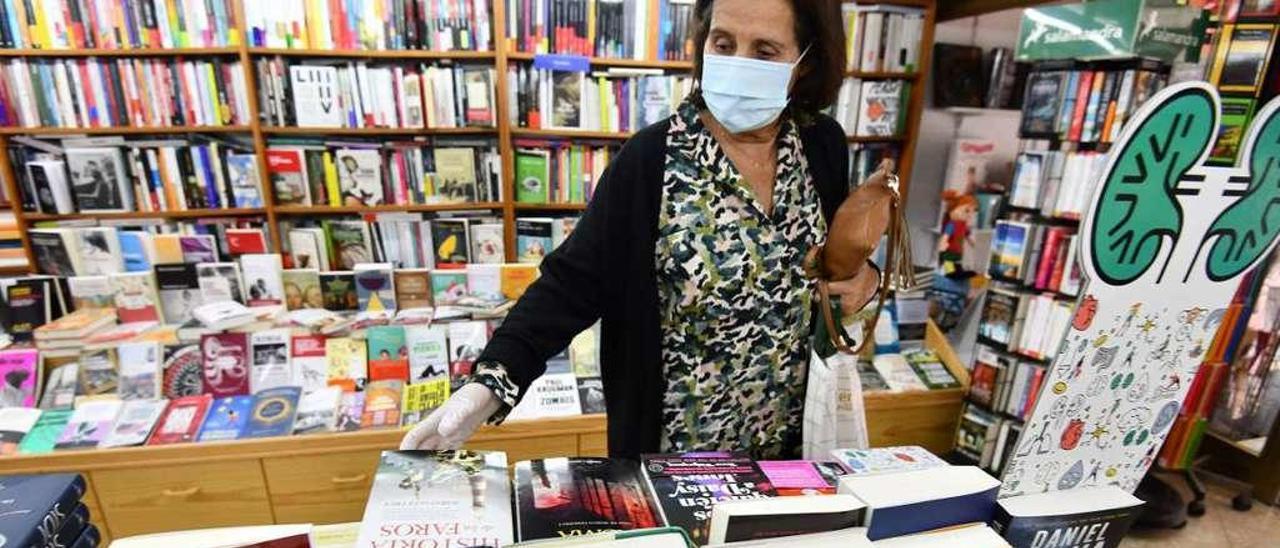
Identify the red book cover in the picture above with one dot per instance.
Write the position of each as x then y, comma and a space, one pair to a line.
1171, 452
1044, 271
1060, 263
1036, 380
181, 421
241, 241
225, 357
1216, 373
983, 384
94, 115
1082, 103
556, 498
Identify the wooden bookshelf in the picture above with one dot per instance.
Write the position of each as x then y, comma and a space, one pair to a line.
880, 75
501, 57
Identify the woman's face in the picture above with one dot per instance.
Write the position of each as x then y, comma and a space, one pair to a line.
757, 29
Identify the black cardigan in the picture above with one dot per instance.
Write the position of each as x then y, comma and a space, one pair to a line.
605, 270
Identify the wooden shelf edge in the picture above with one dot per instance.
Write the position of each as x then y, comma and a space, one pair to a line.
121, 130
882, 75
876, 139
282, 446
550, 207
616, 62
357, 132
376, 54
385, 208
568, 134
180, 214
122, 52
10, 270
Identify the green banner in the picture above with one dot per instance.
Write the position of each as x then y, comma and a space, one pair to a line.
1109, 29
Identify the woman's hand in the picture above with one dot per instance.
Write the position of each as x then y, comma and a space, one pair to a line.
856, 292
453, 423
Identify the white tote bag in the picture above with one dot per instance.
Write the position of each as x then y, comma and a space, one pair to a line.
834, 414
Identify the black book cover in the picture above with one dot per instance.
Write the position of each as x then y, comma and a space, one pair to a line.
957, 78
1098, 529
35, 507
44, 191
52, 256
687, 486
89, 538
28, 308
567, 497
339, 291
71, 527
1040, 108
178, 286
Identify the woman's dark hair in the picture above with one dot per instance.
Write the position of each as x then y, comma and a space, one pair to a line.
820, 27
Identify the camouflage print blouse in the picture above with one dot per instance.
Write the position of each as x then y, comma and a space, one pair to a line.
734, 301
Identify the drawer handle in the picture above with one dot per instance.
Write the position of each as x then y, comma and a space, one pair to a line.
347, 480
181, 493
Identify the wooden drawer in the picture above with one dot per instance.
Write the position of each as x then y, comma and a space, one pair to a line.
151, 499
518, 449
320, 488
595, 444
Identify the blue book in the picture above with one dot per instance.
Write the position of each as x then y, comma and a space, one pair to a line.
939, 497
274, 410
34, 507
71, 528
134, 251
89, 538
227, 418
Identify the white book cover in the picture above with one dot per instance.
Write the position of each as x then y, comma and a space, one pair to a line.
315, 95
137, 419
428, 351
307, 355
98, 179
220, 282
269, 367
897, 373
551, 395
15, 422
91, 292
487, 243
307, 248
318, 411
99, 251
264, 285
466, 341
60, 387
139, 364
359, 176
53, 191
485, 281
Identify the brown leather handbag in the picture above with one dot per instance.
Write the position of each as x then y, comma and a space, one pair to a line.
868, 213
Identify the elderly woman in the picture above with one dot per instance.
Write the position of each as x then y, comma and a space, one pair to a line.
691, 252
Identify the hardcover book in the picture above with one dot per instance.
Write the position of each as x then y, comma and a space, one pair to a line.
179, 288
139, 370
941, 496
270, 367
35, 507
438, 498
375, 288
15, 423
181, 420
89, 424
1097, 517
339, 291
227, 418
347, 363
388, 353
44, 435
273, 412
687, 486
569, 497
262, 278
318, 411
382, 404
20, 370
308, 358
137, 419
225, 364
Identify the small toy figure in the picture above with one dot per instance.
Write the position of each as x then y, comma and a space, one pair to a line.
962, 210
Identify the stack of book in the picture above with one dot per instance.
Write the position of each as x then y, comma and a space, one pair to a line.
883, 37
406, 240
46, 510
1056, 184
124, 24
616, 100
675, 25
366, 173
551, 172
95, 93
538, 236
1087, 102
872, 108
114, 174
11, 253
1242, 71
600, 28
358, 94
1036, 256
446, 25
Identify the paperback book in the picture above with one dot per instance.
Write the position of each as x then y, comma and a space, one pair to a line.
570, 497
687, 486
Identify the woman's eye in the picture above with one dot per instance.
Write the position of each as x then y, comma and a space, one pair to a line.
723, 47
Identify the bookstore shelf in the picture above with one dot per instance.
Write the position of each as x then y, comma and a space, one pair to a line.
881, 75
120, 130
381, 131
178, 214
115, 52
385, 208
877, 139
569, 134
617, 62
376, 54
550, 207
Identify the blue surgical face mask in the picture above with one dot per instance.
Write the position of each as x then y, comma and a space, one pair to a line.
743, 93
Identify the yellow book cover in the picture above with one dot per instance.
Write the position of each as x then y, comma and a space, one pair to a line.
516, 278
40, 31
20, 12
331, 180
223, 110
421, 398
382, 404
591, 27
347, 363
171, 9
168, 248
603, 97
313, 21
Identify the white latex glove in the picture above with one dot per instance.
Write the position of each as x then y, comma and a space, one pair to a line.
453, 423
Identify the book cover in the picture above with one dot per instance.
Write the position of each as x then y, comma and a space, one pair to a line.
1098, 517
302, 289
168, 249
44, 435
60, 386
448, 286
318, 411
262, 278
533, 239
133, 426
413, 288
136, 297
687, 486
388, 353
273, 412
554, 394
226, 418
52, 190
20, 370
421, 398
91, 292
307, 353
569, 497
315, 95
350, 411
220, 282
1236, 113
438, 498
15, 423
359, 176
351, 243
382, 403
997, 315
52, 249
941, 496
591, 394
1008, 249
339, 291
532, 175
796, 477
884, 460
484, 283
98, 180
375, 288
139, 370
452, 243
347, 362
516, 278
456, 174
880, 108
179, 289
428, 352
89, 424
1042, 102
286, 171
466, 341
72, 525
1028, 176
487, 245
98, 372
242, 241
29, 307
225, 360
181, 420
35, 507
246, 185
198, 248
308, 248
1241, 65
269, 367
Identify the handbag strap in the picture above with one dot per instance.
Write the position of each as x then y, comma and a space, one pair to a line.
899, 270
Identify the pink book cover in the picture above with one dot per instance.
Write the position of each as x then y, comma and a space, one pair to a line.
796, 477
225, 357
19, 369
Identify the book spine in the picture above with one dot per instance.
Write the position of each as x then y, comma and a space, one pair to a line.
53, 518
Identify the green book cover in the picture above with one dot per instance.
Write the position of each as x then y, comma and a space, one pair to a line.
388, 354
44, 434
579, 178
532, 173
1236, 112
